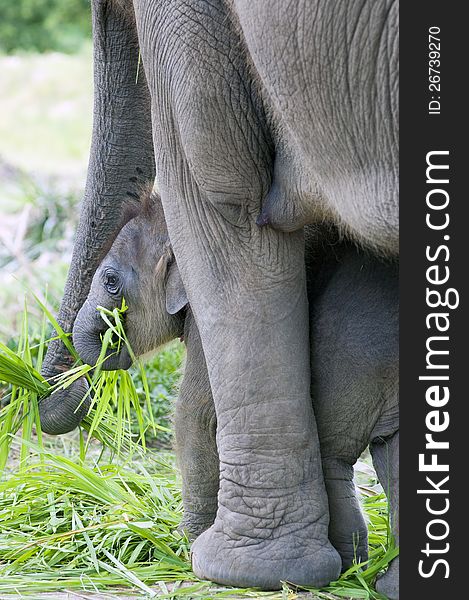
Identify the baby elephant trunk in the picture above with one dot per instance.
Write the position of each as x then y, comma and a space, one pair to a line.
88, 331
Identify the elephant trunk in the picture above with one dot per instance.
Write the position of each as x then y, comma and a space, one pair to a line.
121, 164
63, 410
87, 332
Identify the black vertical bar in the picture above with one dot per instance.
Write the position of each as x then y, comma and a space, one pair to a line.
433, 119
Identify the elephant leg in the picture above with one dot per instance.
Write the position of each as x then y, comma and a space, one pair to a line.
348, 532
196, 447
197, 457
385, 453
246, 286
272, 518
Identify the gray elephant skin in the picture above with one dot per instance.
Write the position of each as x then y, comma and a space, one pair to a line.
252, 113
353, 299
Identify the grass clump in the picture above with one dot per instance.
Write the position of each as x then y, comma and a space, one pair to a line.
66, 524
114, 398
103, 515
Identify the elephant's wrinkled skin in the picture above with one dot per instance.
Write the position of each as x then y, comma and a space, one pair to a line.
248, 100
353, 302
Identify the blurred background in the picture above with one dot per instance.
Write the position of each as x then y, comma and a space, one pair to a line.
45, 129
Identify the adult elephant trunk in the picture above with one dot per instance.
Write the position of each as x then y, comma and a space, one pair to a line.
121, 163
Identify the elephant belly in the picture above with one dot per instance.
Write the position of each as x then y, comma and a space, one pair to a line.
330, 69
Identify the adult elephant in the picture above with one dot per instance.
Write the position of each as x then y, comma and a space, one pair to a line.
249, 101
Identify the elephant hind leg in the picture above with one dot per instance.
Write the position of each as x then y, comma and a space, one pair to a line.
198, 463
385, 453
195, 433
347, 528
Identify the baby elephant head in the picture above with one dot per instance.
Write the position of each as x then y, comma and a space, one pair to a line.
140, 268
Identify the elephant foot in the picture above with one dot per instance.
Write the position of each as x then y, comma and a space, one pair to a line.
388, 584
353, 550
264, 563
192, 524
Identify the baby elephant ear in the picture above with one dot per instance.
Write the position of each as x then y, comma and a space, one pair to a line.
176, 298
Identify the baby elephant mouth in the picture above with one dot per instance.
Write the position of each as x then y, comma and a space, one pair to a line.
87, 339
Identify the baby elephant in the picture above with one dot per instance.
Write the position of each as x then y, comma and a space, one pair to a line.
354, 366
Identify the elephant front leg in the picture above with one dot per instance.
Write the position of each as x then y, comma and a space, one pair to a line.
247, 290
347, 528
246, 286
272, 520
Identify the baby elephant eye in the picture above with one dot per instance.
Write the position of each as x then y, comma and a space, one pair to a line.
111, 282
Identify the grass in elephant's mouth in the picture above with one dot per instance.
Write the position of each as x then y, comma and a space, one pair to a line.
114, 337
115, 402
78, 522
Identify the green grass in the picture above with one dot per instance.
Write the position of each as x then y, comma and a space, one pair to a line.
70, 526
65, 525
115, 401
94, 520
